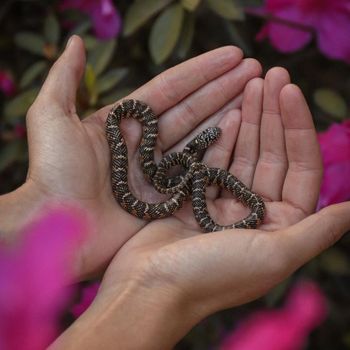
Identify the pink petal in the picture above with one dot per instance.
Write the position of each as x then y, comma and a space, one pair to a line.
335, 148
71, 4
34, 277
333, 35
335, 143
20, 131
335, 185
283, 37
7, 85
308, 305
283, 329
105, 16
286, 39
269, 330
107, 7
277, 5
107, 24
330, 20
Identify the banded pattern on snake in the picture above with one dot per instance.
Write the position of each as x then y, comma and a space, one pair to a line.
197, 175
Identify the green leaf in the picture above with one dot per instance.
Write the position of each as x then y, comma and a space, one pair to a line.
90, 83
32, 73
31, 42
237, 38
90, 77
19, 105
116, 96
190, 5
227, 8
10, 153
186, 36
101, 55
82, 27
52, 29
140, 12
110, 79
165, 33
331, 102
90, 42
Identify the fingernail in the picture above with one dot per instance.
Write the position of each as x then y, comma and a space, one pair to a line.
69, 41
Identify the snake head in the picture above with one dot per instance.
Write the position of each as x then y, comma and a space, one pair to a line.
203, 140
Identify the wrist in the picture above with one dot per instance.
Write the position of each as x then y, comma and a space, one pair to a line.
136, 316
17, 209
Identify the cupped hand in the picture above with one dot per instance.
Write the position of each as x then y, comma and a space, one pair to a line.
70, 159
272, 147
169, 276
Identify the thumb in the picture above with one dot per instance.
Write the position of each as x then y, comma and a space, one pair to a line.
60, 87
316, 233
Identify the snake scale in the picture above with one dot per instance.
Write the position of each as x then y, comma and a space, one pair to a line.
193, 183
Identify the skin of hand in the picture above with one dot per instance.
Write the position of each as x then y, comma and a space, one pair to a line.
69, 159
169, 276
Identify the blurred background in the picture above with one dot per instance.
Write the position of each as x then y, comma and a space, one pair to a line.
129, 42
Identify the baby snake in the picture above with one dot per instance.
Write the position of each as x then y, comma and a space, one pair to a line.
197, 177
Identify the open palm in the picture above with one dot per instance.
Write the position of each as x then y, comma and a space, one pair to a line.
271, 145
70, 159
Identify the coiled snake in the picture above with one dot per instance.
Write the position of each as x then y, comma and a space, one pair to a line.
197, 176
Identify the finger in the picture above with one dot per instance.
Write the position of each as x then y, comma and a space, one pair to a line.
303, 179
311, 236
272, 164
213, 120
219, 154
170, 87
62, 82
205, 102
247, 148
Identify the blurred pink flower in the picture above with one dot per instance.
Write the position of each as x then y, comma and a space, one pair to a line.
88, 295
20, 131
335, 148
105, 17
34, 276
329, 19
7, 86
283, 329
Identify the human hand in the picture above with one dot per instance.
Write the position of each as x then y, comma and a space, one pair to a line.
70, 159
169, 276
272, 147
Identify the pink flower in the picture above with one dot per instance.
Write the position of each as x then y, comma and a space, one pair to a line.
283, 329
329, 19
88, 295
34, 276
335, 148
20, 131
7, 86
105, 17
